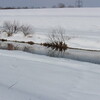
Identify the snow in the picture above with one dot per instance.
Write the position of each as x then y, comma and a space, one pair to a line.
25, 76
81, 24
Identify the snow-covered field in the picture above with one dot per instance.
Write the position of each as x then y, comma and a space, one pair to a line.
82, 25
25, 76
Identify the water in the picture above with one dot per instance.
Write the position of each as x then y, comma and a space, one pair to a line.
80, 55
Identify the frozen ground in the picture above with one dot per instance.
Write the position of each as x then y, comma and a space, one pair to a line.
82, 25
25, 76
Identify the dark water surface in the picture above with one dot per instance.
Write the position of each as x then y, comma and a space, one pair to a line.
80, 55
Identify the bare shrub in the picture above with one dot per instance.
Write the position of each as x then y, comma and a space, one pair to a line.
26, 30
11, 28
14, 27
56, 38
57, 35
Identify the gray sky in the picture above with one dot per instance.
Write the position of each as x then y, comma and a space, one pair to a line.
47, 3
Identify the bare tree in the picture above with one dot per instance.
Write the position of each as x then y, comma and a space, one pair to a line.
26, 29
14, 27
61, 5
11, 28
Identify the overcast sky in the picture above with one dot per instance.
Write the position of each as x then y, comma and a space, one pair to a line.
46, 3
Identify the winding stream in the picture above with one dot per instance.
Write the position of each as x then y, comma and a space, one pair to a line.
75, 54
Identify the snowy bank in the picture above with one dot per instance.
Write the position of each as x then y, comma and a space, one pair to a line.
26, 76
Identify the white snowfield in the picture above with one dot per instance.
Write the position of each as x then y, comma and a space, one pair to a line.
25, 76
81, 24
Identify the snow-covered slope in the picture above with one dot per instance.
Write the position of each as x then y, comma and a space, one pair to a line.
26, 76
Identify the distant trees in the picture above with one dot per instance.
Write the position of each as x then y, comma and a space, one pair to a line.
14, 8
78, 3
54, 6
61, 5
